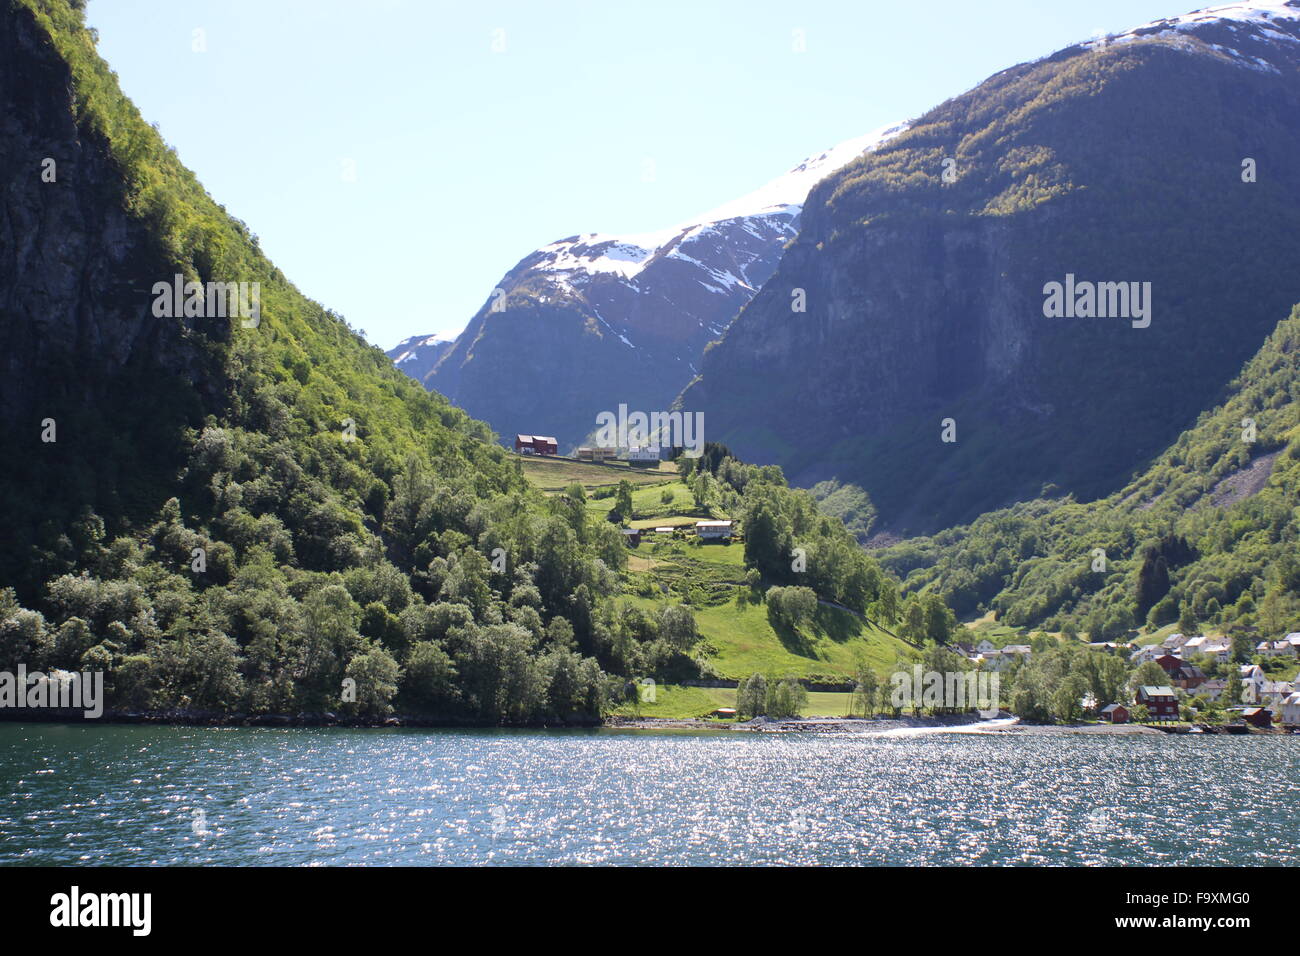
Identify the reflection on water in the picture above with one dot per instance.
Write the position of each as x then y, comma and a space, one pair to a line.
183, 795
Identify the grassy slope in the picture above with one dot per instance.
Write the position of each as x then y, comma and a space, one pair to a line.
741, 641
675, 702
555, 474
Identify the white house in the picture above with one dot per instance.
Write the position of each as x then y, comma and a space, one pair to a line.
1275, 649
1218, 650
1173, 642
1252, 683
713, 529
1211, 689
1146, 653
1291, 710
1274, 692
999, 659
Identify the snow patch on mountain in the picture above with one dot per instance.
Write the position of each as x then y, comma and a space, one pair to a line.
1253, 27
627, 255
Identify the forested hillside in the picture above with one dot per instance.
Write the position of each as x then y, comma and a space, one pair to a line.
235, 518
260, 514
1207, 535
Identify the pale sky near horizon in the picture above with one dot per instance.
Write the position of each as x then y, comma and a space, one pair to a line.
397, 157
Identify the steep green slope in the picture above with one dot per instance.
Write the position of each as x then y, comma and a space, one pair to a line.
231, 517
260, 514
1207, 535
925, 297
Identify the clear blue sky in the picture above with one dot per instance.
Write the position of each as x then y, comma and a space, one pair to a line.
465, 159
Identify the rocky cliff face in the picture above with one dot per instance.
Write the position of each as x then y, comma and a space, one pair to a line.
76, 269
1124, 160
590, 322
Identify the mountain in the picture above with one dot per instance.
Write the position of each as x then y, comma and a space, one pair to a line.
1204, 536
1162, 155
226, 501
589, 322
417, 355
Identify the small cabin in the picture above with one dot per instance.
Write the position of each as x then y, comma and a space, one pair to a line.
1257, 717
632, 536
1115, 714
536, 445
713, 530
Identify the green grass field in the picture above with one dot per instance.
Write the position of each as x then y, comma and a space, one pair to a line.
739, 638
556, 474
746, 643
675, 702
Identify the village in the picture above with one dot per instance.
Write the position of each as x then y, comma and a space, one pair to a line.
1246, 698
1205, 687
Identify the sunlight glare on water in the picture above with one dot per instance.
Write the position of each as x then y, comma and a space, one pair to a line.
185, 795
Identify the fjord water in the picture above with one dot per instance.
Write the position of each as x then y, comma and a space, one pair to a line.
250, 796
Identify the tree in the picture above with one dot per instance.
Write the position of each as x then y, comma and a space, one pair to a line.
376, 675
786, 698
1232, 692
677, 627
767, 541
751, 696
429, 680
939, 620
912, 629
867, 688
622, 510
1152, 580
1149, 674
791, 606
329, 636
885, 607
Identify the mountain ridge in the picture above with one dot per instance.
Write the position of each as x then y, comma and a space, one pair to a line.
632, 311
925, 297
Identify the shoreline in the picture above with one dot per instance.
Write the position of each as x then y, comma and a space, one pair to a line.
966, 724
842, 726
185, 718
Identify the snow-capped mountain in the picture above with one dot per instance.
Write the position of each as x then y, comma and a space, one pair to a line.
1255, 35
1164, 154
417, 355
592, 321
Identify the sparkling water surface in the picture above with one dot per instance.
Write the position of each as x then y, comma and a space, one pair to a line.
257, 796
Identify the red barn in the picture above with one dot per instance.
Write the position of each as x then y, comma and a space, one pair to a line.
536, 445
1115, 713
